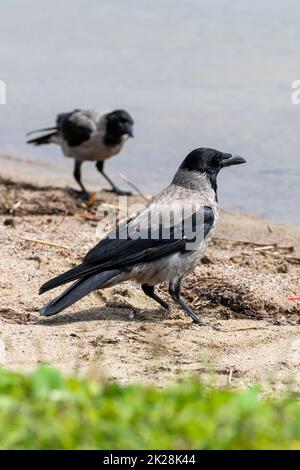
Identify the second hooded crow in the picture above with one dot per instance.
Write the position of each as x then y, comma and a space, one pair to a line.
161, 245
89, 135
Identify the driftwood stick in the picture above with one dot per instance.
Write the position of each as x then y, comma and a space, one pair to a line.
292, 259
133, 186
265, 248
259, 245
42, 242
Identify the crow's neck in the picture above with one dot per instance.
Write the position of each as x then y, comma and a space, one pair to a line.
200, 182
112, 139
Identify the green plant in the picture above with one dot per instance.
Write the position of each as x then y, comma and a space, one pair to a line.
45, 410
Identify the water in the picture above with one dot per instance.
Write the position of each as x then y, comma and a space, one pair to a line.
196, 73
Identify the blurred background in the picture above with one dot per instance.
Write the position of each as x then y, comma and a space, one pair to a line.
209, 73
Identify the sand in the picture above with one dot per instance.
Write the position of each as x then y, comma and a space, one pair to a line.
250, 270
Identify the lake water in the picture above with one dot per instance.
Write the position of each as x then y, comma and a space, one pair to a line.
209, 73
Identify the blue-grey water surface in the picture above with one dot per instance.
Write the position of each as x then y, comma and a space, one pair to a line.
213, 73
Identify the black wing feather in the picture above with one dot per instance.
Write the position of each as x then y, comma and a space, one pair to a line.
110, 248
122, 253
73, 133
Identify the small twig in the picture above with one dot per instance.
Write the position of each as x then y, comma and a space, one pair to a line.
105, 205
264, 248
292, 259
240, 242
42, 242
230, 376
140, 336
259, 245
87, 215
133, 332
61, 221
133, 186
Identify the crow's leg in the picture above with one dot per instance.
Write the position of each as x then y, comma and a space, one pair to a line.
77, 176
114, 188
174, 291
149, 291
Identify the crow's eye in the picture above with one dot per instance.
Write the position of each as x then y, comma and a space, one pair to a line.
217, 160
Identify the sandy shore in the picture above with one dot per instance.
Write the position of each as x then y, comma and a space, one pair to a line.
250, 270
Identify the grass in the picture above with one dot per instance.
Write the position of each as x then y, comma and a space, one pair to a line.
45, 410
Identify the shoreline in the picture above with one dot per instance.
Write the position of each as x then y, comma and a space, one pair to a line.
51, 174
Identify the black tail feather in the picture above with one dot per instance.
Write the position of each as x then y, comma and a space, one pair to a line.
76, 291
44, 139
64, 278
46, 129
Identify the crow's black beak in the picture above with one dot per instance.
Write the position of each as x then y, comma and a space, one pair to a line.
128, 129
229, 160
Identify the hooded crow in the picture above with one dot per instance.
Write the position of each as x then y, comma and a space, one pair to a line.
89, 135
161, 244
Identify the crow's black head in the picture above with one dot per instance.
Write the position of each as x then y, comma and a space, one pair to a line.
118, 123
209, 162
